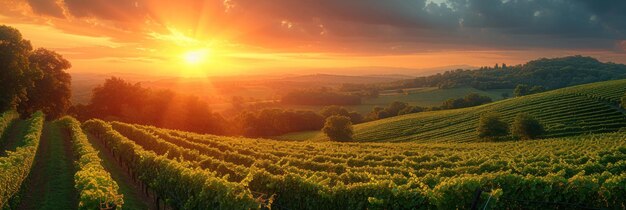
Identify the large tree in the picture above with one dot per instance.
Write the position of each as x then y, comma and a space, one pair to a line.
51, 93
526, 127
491, 127
15, 72
338, 128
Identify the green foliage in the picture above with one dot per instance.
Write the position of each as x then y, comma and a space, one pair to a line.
472, 99
5, 120
522, 90
526, 127
179, 184
550, 73
94, 184
491, 127
396, 108
15, 166
338, 128
331, 175
51, 93
273, 122
118, 99
341, 111
15, 73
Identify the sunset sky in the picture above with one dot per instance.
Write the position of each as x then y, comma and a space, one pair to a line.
230, 37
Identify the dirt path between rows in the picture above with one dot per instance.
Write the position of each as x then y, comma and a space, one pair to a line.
134, 198
12, 136
50, 184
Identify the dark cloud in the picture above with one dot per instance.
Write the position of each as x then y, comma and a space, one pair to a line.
46, 7
390, 25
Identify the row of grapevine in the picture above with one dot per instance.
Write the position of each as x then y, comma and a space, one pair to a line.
5, 120
15, 166
182, 187
409, 175
94, 184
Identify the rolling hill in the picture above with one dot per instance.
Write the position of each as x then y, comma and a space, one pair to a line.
590, 108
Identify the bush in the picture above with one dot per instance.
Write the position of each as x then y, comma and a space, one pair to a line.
526, 127
338, 128
491, 127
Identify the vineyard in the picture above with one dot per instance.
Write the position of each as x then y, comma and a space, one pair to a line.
114, 165
591, 108
191, 171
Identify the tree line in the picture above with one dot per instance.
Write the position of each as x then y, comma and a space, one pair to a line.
550, 73
32, 80
320, 97
120, 100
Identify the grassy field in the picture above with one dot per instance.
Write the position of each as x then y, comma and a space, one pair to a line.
590, 108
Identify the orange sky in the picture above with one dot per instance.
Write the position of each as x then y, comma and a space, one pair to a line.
230, 37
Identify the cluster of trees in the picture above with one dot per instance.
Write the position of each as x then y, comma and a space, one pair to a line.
524, 126
321, 97
550, 73
274, 122
522, 90
32, 80
472, 99
120, 100
396, 108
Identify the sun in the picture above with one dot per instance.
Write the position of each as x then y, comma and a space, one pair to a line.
196, 57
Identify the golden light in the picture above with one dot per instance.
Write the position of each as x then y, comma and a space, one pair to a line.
196, 57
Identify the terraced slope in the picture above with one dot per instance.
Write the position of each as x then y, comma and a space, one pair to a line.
590, 108
579, 172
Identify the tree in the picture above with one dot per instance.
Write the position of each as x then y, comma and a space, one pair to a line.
117, 97
328, 111
50, 93
338, 128
15, 72
395, 107
536, 89
505, 95
526, 127
411, 109
491, 127
521, 90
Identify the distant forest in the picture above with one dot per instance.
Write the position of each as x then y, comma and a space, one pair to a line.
550, 73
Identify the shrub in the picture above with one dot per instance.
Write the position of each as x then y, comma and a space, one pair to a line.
526, 127
491, 127
338, 128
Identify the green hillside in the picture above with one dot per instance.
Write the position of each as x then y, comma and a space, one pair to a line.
590, 108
